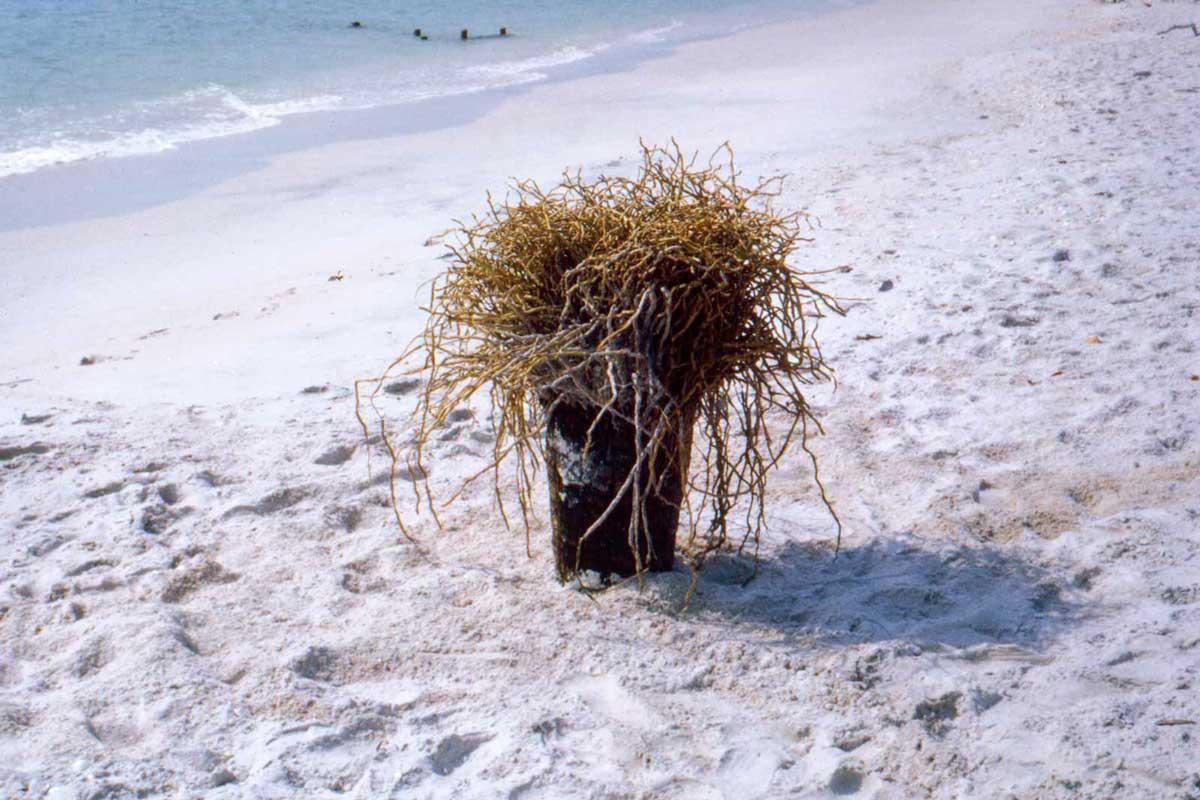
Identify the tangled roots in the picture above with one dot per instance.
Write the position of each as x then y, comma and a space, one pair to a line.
632, 310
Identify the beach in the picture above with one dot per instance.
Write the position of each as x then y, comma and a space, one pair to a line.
203, 588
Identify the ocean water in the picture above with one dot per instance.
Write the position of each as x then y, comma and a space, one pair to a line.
82, 79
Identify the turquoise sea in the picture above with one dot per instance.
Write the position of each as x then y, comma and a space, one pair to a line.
86, 79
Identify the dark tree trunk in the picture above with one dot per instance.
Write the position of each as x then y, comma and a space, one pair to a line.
583, 486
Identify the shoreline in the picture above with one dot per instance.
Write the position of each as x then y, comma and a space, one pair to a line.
284, 224
192, 166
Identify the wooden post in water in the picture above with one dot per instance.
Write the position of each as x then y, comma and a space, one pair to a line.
417, 33
464, 34
504, 31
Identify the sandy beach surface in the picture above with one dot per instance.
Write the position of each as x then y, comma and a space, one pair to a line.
203, 592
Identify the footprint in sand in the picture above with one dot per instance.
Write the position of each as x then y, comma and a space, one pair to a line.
188, 582
404, 474
454, 750
846, 780
402, 386
212, 479
159, 516
357, 579
15, 720
746, 770
36, 449
317, 664
348, 518
90, 657
88, 566
105, 490
276, 501
336, 456
606, 696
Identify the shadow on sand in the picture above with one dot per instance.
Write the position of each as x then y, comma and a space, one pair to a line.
894, 590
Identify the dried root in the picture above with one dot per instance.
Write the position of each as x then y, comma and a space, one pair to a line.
653, 305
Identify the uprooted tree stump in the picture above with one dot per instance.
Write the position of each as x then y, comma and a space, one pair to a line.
634, 334
595, 487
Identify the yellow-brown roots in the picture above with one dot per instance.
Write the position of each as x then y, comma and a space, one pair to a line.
648, 302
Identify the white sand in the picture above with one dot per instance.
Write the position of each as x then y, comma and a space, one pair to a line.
1016, 608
